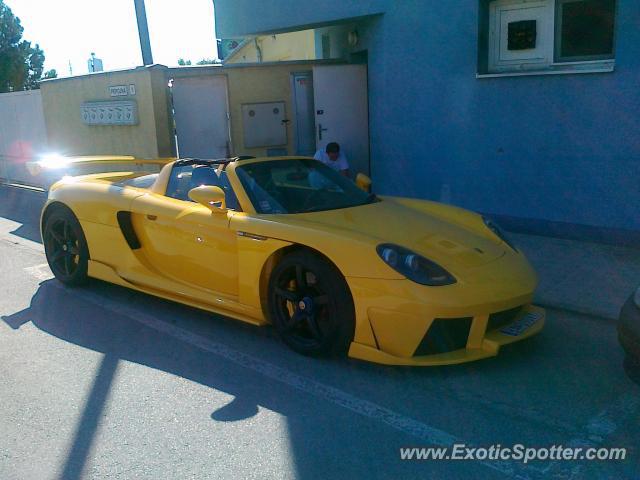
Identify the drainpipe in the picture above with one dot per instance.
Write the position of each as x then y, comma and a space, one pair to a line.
143, 32
258, 49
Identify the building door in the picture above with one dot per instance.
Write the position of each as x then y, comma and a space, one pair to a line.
201, 117
305, 131
341, 111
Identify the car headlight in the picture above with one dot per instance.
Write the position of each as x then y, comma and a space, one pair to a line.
413, 266
491, 225
636, 298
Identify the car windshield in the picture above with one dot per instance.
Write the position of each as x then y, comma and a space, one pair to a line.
298, 186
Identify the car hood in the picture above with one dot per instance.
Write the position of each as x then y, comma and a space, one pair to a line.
390, 221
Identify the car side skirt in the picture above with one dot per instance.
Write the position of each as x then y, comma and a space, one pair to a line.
104, 272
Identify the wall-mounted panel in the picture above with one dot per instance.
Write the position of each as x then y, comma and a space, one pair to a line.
123, 112
264, 124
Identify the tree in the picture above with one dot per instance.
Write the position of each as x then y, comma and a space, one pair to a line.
21, 64
181, 61
50, 74
35, 64
208, 61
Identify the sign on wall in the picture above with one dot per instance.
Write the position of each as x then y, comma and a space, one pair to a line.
228, 45
122, 90
121, 112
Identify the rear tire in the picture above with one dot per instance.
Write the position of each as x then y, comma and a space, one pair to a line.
310, 305
66, 247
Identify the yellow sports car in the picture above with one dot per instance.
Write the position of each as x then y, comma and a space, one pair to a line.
291, 242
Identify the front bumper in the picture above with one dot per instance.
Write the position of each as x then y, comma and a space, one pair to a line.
487, 345
401, 323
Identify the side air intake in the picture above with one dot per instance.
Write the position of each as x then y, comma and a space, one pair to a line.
126, 227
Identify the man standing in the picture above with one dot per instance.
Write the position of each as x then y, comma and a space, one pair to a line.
334, 158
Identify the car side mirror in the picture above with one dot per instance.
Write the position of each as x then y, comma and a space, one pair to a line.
363, 182
210, 197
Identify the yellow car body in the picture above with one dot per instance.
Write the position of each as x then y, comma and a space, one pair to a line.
221, 262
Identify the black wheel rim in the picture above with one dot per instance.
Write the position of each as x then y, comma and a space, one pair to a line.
63, 248
303, 308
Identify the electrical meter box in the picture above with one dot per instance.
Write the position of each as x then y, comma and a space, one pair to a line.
264, 124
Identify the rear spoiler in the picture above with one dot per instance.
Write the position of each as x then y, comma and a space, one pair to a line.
58, 162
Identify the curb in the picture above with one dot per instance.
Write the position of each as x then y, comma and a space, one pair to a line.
594, 313
20, 186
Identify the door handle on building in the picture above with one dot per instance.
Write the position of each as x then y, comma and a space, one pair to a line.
320, 130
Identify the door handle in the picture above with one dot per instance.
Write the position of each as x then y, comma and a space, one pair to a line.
320, 130
152, 217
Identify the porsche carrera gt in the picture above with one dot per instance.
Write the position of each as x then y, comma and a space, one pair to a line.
292, 243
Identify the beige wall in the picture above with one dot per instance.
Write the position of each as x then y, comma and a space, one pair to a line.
162, 111
253, 84
260, 84
153, 137
67, 134
277, 48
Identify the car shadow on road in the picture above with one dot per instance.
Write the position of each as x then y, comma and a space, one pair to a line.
23, 206
321, 437
314, 438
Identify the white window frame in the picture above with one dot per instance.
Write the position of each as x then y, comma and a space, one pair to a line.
545, 65
496, 34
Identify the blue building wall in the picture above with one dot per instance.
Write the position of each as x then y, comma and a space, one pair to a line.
558, 148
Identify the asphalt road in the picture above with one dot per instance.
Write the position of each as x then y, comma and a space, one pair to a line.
102, 382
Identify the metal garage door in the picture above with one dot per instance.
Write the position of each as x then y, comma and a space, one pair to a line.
201, 115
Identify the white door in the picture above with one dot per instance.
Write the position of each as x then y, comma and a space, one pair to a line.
341, 111
201, 114
305, 125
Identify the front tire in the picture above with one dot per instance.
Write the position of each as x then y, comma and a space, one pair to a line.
66, 247
310, 305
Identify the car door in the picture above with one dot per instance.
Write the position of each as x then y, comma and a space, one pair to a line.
187, 243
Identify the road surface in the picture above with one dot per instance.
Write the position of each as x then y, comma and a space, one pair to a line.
101, 382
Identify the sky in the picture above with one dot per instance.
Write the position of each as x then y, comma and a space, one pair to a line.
69, 30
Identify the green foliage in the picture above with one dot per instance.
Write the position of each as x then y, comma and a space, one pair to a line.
50, 74
35, 64
21, 64
207, 61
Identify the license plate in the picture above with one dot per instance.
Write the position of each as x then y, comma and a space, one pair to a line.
518, 327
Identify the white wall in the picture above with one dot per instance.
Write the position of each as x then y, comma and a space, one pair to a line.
23, 134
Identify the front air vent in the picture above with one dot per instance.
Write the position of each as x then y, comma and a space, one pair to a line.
505, 317
445, 335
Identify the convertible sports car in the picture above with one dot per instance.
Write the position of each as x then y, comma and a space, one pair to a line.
289, 241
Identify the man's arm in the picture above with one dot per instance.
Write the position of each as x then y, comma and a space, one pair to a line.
343, 165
